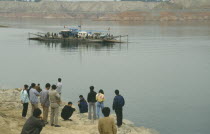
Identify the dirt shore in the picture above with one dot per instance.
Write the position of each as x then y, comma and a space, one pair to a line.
176, 10
11, 121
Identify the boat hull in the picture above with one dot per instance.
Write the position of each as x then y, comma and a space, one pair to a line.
75, 40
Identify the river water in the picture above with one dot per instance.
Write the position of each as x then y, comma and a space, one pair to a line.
163, 72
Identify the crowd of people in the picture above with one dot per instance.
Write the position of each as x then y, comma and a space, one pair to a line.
50, 97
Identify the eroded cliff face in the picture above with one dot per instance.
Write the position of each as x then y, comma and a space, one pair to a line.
199, 4
11, 121
126, 11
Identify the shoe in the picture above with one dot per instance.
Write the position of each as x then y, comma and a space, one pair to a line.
57, 126
52, 124
70, 119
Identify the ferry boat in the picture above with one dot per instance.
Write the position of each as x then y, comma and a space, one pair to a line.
73, 34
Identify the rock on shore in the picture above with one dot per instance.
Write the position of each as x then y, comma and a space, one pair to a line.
11, 121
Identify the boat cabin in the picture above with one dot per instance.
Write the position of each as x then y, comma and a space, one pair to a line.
65, 33
82, 34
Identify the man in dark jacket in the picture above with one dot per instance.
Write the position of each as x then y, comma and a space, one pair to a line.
118, 104
34, 124
82, 104
91, 101
67, 111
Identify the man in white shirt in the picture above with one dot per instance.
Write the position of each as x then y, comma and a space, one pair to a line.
59, 86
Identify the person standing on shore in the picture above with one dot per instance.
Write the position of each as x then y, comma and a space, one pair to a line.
45, 102
118, 104
106, 125
24, 100
33, 97
91, 101
54, 104
100, 102
34, 124
59, 86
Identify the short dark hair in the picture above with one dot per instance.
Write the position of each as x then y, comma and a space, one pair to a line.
117, 92
106, 111
101, 91
37, 112
91, 88
69, 102
38, 84
54, 87
47, 85
81, 96
59, 79
33, 85
25, 86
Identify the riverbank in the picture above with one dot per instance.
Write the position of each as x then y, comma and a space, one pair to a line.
11, 121
178, 10
3, 26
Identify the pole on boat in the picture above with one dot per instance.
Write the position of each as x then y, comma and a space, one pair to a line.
120, 38
29, 35
127, 38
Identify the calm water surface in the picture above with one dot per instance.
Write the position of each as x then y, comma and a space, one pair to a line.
163, 73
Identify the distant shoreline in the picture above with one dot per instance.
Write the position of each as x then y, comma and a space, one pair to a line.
3, 26
109, 11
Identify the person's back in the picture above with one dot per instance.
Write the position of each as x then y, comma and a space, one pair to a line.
44, 98
34, 124
91, 97
118, 102
54, 96
106, 125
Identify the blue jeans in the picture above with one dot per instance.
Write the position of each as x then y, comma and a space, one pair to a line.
100, 106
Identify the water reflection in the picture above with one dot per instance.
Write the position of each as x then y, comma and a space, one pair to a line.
74, 45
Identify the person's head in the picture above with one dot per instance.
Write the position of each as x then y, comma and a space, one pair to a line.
33, 85
53, 87
37, 112
117, 92
47, 86
25, 87
91, 88
38, 85
106, 111
81, 97
59, 79
70, 103
101, 91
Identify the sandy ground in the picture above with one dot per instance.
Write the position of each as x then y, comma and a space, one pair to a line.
11, 121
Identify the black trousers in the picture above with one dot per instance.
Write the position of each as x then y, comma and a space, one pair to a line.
66, 117
25, 109
119, 115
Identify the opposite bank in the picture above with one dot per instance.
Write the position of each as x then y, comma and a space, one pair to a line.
114, 11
